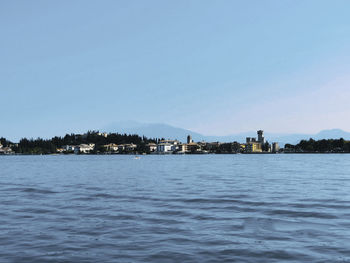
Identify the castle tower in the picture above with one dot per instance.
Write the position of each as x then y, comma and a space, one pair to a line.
189, 139
261, 138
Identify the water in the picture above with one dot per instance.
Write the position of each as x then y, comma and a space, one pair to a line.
199, 208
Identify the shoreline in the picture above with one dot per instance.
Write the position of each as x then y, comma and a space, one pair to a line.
168, 154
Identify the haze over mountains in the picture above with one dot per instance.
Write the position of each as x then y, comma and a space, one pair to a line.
161, 130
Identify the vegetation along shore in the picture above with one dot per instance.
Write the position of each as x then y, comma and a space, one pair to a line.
95, 142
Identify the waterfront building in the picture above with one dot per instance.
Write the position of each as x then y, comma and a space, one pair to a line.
130, 147
151, 147
167, 146
269, 148
112, 147
256, 145
84, 148
192, 147
5, 150
253, 147
68, 148
212, 146
275, 147
181, 148
189, 139
121, 147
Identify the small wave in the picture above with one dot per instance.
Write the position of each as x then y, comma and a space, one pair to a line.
294, 214
36, 190
103, 195
169, 256
34, 210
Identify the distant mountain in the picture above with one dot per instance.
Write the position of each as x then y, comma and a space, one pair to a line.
161, 130
153, 130
296, 138
332, 134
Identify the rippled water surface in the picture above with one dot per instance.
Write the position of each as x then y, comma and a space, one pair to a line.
199, 208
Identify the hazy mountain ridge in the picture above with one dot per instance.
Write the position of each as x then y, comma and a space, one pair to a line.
161, 130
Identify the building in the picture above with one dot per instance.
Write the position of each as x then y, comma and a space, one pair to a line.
192, 147
167, 146
212, 146
5, 150
151, 147
181, 148
84, 148
261, 138
60, 150
121, 147
189, 139
253, 147
250, 139
275, 147
68, 148
174, 142
130, 147
104, 134
112, 147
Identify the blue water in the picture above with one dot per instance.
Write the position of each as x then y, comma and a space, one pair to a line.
193, 208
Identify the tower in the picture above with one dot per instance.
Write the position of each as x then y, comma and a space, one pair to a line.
261, 138
189, 139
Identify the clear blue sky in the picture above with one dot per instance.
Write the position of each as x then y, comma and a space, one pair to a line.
216, 67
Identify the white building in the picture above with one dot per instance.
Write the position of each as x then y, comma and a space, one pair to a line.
68, 148
167, 146
5, 150
152, 147
84, 148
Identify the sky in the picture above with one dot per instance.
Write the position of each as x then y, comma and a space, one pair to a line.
214, 67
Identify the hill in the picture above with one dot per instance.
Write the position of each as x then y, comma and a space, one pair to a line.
161, 130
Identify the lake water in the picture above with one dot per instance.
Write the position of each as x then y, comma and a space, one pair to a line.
187, 208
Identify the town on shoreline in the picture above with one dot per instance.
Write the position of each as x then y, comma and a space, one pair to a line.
95, 142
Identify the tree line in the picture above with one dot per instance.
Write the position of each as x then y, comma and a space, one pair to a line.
320, 146
48, 146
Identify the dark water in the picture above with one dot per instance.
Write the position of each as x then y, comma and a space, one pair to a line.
210, 208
